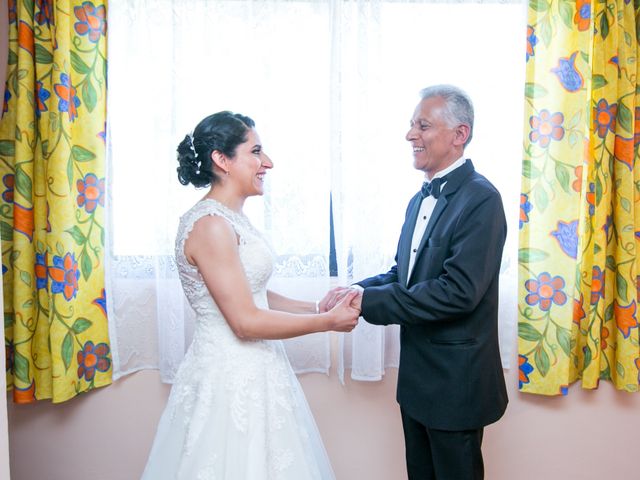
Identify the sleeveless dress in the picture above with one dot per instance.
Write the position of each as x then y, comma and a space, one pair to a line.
236, 410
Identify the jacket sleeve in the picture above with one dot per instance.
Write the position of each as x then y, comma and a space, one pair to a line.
473, 261
383, 279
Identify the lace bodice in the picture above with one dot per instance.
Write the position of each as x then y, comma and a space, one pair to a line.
256, 257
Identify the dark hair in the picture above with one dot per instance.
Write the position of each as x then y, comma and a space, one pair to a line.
222, 131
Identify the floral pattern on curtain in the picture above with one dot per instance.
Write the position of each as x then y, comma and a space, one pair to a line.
52, 149
580, 202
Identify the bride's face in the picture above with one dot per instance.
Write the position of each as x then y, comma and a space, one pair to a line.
250, 165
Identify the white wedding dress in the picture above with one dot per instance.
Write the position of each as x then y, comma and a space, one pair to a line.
236, 410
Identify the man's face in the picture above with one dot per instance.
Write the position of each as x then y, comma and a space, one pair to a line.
434, 141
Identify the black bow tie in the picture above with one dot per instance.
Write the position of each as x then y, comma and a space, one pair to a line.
432, 188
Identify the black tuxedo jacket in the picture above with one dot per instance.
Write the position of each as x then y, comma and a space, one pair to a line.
450, 375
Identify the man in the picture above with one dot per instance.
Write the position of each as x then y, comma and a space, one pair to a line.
443, 292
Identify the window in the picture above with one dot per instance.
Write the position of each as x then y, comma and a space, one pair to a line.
331, 85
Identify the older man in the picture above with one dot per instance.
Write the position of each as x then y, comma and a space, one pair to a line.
443, 292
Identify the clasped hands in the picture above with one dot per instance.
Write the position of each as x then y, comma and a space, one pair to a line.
346, 303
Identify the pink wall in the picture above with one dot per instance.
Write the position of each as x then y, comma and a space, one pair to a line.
106, 435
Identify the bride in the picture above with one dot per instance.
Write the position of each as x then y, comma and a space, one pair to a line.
236, 410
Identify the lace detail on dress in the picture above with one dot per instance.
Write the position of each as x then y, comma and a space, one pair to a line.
255, 254
214, 342
236, 409
208, 471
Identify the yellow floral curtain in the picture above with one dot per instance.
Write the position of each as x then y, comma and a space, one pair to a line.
579, 206
52, 164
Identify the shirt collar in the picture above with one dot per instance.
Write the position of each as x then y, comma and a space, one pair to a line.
458, 163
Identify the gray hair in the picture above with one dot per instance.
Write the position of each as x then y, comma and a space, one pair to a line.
458, 106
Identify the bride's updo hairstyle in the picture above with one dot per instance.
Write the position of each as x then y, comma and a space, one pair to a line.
222, 131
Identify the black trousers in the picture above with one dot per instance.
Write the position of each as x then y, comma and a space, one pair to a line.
440, 454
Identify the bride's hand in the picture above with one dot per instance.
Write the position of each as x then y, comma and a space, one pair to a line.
345, 315
332, 297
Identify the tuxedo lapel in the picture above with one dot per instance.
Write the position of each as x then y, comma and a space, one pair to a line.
454, 181
404, 250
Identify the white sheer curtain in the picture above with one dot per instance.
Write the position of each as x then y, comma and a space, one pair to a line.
390, 51
171, 64
331, 85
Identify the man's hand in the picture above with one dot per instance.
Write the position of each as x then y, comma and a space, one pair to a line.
356, 302
332, 297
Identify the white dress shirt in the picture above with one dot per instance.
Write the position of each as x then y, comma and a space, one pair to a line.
426, 209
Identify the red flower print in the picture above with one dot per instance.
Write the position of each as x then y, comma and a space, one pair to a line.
42, 95
604, 334
25, 37
45, 15
13, 12
525, 208
532, 40
68, 100
23, 220
92, 358
625, 317
545, 291
578, 310
624, 151
636, 126
24, 395
91, 21
604, 117
9, 182
524, 369
546, 127
40, 270
582, 18
90, 192
64, 275
597, 285
586, 149
591, 198
577, 183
